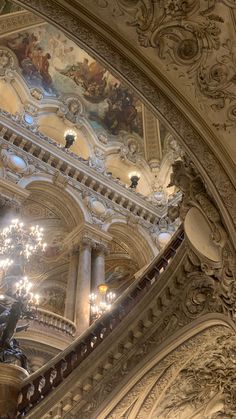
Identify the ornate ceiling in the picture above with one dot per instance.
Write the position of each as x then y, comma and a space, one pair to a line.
110, 32
191, 43
55, 67
51, 85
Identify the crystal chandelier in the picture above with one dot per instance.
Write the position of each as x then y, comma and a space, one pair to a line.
101, 302
20, 241
23, 294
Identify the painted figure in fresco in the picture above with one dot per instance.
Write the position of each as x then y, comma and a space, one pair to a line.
44, 67
32, 58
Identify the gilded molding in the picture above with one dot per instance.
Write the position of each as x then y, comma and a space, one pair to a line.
14, 22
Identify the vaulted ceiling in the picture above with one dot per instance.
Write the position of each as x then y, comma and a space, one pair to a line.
179, 58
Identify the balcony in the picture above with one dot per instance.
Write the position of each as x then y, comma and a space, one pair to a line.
50, 330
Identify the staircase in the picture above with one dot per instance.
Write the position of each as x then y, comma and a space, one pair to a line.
41, 384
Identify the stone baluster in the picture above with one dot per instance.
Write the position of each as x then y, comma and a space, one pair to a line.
82, 308
32, 149
84, 179
108, 192
12, 138
122, 201
71, 286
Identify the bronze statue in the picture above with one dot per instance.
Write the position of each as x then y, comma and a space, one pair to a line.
9, 318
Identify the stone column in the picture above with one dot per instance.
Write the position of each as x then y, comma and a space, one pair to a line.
71, 286
82, 309
11, 378
98, 266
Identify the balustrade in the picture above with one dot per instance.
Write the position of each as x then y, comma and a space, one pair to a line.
41, 383
76, 169
54, 321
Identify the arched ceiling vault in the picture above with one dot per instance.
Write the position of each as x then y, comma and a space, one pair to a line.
171, 105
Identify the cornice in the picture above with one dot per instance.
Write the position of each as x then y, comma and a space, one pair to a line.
15, 22
86, 232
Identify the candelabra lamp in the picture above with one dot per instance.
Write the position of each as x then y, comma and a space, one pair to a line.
101, 302
70, 137
134, 177
19, 242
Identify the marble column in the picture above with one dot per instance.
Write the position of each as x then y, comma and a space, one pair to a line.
71, 286
82, 309
98, 266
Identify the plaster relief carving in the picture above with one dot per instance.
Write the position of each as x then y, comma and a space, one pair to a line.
97, 161
217, 260
71, 109
99, 211
15, 164
130, 150
7, 61
197, 29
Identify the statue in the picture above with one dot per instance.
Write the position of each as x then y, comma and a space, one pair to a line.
9, 347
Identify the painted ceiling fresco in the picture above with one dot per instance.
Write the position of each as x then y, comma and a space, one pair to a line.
50, 61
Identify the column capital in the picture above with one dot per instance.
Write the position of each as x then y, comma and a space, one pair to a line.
86, 241
101, 248
86, 234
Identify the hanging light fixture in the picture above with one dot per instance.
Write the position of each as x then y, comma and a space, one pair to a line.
23, 294
18, 243
101, 301
18, 240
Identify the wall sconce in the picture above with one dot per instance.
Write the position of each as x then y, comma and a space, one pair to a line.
134, 177
70, 137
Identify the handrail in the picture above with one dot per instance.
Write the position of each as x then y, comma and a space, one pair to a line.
55, 321
41, 383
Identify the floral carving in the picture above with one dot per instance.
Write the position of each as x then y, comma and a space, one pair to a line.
6, 61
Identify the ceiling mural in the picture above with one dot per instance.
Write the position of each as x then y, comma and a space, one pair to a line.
54, 64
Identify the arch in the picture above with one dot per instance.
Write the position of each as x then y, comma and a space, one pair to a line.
164, 364
141, 248
178, 114
66, 201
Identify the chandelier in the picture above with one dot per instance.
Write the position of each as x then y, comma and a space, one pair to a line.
23, 294
20, 241
101, 302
